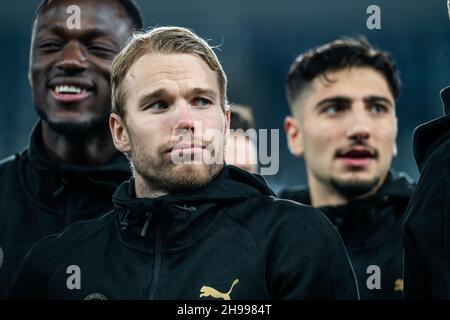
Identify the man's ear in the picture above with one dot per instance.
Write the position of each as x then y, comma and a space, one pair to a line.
227, 113
448, 6
294, 136
395, 150
227, 117
119, 133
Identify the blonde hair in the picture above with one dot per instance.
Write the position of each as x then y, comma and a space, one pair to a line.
166, 40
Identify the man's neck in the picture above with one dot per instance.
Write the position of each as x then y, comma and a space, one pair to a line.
324, 195
144, 190
90, 149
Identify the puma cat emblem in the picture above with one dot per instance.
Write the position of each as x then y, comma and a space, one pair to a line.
398, 285
206, 291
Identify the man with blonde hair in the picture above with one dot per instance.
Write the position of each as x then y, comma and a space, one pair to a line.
186, 226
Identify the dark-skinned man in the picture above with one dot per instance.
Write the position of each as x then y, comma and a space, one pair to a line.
70, 168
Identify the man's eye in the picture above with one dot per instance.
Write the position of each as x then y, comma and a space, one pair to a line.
378, 108
202, 102
158, 106
101, 51
50, 46
333, 109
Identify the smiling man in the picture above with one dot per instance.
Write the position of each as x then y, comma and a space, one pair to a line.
70, 169
342, 97
185, 226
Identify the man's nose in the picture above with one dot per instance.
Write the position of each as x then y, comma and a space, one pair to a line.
183, 118
73, 58
359, 127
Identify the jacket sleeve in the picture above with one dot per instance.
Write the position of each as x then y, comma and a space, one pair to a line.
426, 233
32, 278
307, 258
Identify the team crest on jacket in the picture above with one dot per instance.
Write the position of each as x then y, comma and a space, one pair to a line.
207, 291
95, 296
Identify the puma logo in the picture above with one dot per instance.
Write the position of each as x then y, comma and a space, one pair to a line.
398, 285
206, 291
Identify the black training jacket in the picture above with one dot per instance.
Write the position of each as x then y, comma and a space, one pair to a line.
38, 199
232, 239
372, 233
427, 226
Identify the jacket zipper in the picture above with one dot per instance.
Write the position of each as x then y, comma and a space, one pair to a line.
157, 265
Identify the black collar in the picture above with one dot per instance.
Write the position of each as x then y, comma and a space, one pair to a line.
44, 181
428, 136
38, 158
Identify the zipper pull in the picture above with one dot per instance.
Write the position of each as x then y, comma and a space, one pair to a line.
57, 192
124, 221
147, 222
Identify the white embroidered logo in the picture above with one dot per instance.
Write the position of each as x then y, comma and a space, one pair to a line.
96, 296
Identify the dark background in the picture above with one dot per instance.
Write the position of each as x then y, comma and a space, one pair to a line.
259, 40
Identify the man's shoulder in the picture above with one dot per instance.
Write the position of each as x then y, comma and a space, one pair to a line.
49, 253
441, 153
301, 214
298, 193
9, 168
58, 245
262, 215
434, 166
431, 140
9, 162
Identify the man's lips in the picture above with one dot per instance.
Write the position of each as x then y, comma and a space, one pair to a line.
70, 90
184, 148
357, 157
70, 97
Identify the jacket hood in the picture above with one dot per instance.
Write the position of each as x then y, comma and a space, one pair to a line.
431, 134
368, 222
183, 216
296, 193
367, 212
35, 152
230, 185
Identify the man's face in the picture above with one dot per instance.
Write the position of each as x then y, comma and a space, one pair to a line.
70, 68
346, 129
172, 101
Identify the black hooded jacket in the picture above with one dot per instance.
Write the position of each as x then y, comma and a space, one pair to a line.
38, 199
427, 226
372, 233
232, 239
